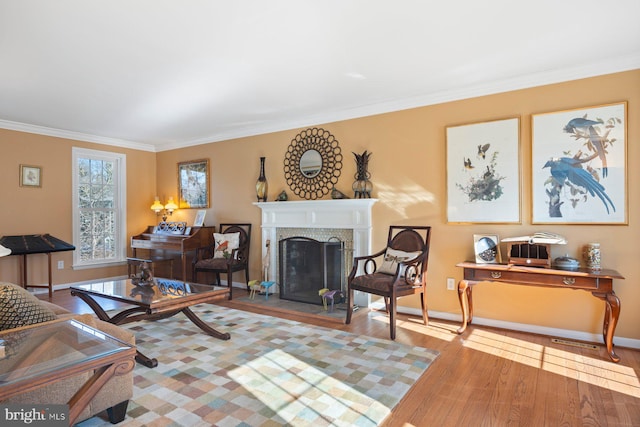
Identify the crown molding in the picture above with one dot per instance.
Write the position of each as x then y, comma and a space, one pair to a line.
76, 136
593, 69
608, 66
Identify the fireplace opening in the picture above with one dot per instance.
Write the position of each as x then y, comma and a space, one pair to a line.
307, 266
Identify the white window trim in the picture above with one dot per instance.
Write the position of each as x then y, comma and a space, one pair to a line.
121, 231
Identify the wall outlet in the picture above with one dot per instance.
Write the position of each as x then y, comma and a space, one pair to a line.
60, 265
451, 284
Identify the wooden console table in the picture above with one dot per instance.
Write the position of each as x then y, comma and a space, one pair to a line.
598, 282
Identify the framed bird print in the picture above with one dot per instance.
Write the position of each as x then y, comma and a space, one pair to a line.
579, 166
483, 172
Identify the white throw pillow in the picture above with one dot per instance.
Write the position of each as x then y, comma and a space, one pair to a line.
391, 259
225, 243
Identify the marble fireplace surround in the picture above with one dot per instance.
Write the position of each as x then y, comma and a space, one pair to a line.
317, 215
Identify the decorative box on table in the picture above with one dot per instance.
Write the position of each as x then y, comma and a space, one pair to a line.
532, 251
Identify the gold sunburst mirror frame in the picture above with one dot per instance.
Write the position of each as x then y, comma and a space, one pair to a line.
313, 163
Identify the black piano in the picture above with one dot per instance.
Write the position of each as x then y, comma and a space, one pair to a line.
28, 244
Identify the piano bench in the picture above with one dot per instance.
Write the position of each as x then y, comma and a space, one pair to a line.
134, 263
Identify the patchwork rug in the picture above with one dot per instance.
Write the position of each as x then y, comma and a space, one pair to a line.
271, 372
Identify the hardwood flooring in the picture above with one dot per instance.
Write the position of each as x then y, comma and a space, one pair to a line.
492, 377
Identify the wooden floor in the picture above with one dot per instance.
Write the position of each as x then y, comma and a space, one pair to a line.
494, 377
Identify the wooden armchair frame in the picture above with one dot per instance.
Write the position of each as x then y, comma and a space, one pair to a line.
410, 275
238, 260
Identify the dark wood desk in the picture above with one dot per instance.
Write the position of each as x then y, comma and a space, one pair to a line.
598, 282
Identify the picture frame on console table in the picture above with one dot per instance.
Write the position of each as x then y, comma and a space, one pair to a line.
486, 248
30, 176
483, 172
199, 221
193, 184
579, 166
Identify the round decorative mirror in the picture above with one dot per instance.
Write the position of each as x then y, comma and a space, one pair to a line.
312, 163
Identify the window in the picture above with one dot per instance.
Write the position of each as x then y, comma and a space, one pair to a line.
99, 207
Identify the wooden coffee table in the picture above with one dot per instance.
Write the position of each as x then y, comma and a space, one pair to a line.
164, 299
52, 351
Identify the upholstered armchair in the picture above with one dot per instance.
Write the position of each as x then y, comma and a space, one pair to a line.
402, 271
228, 253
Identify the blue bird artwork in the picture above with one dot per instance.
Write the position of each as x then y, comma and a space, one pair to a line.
583, 151
583, 128
569, 171
579, 123
598, 142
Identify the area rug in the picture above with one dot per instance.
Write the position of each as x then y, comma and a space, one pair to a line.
271, 372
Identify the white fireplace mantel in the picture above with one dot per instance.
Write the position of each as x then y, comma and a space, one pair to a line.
353, 214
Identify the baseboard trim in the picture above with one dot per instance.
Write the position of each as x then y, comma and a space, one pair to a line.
522, 327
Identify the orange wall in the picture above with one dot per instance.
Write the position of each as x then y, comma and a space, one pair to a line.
47, 209
408, 173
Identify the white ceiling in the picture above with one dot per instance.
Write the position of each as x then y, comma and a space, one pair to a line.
162, 74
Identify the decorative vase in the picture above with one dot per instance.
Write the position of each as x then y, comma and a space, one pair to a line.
261, 184
362, 186
592, 256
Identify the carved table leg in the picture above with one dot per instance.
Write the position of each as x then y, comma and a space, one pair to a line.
118, 319
202, 325
466, 304
102, 315
611, 315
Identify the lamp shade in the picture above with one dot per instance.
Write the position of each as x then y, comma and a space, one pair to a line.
157, 206
171, 205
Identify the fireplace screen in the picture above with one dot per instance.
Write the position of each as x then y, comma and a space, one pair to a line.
308, 265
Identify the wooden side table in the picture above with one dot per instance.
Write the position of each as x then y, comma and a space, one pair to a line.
598, 282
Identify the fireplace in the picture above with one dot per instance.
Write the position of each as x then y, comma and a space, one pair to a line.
347, 219
307, 265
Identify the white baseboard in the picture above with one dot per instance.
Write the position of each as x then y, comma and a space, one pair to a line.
523, 327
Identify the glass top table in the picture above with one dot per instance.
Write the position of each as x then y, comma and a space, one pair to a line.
42, 354
162, 292
161, 299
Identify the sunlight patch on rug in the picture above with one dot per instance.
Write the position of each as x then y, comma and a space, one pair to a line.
298, 392
271, 372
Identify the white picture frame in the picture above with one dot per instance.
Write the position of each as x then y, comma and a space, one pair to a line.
199, 221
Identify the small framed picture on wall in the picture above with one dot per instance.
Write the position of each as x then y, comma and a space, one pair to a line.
30, 176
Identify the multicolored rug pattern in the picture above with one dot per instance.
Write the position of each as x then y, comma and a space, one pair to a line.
271, 372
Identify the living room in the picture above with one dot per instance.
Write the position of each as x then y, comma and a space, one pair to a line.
409, 176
